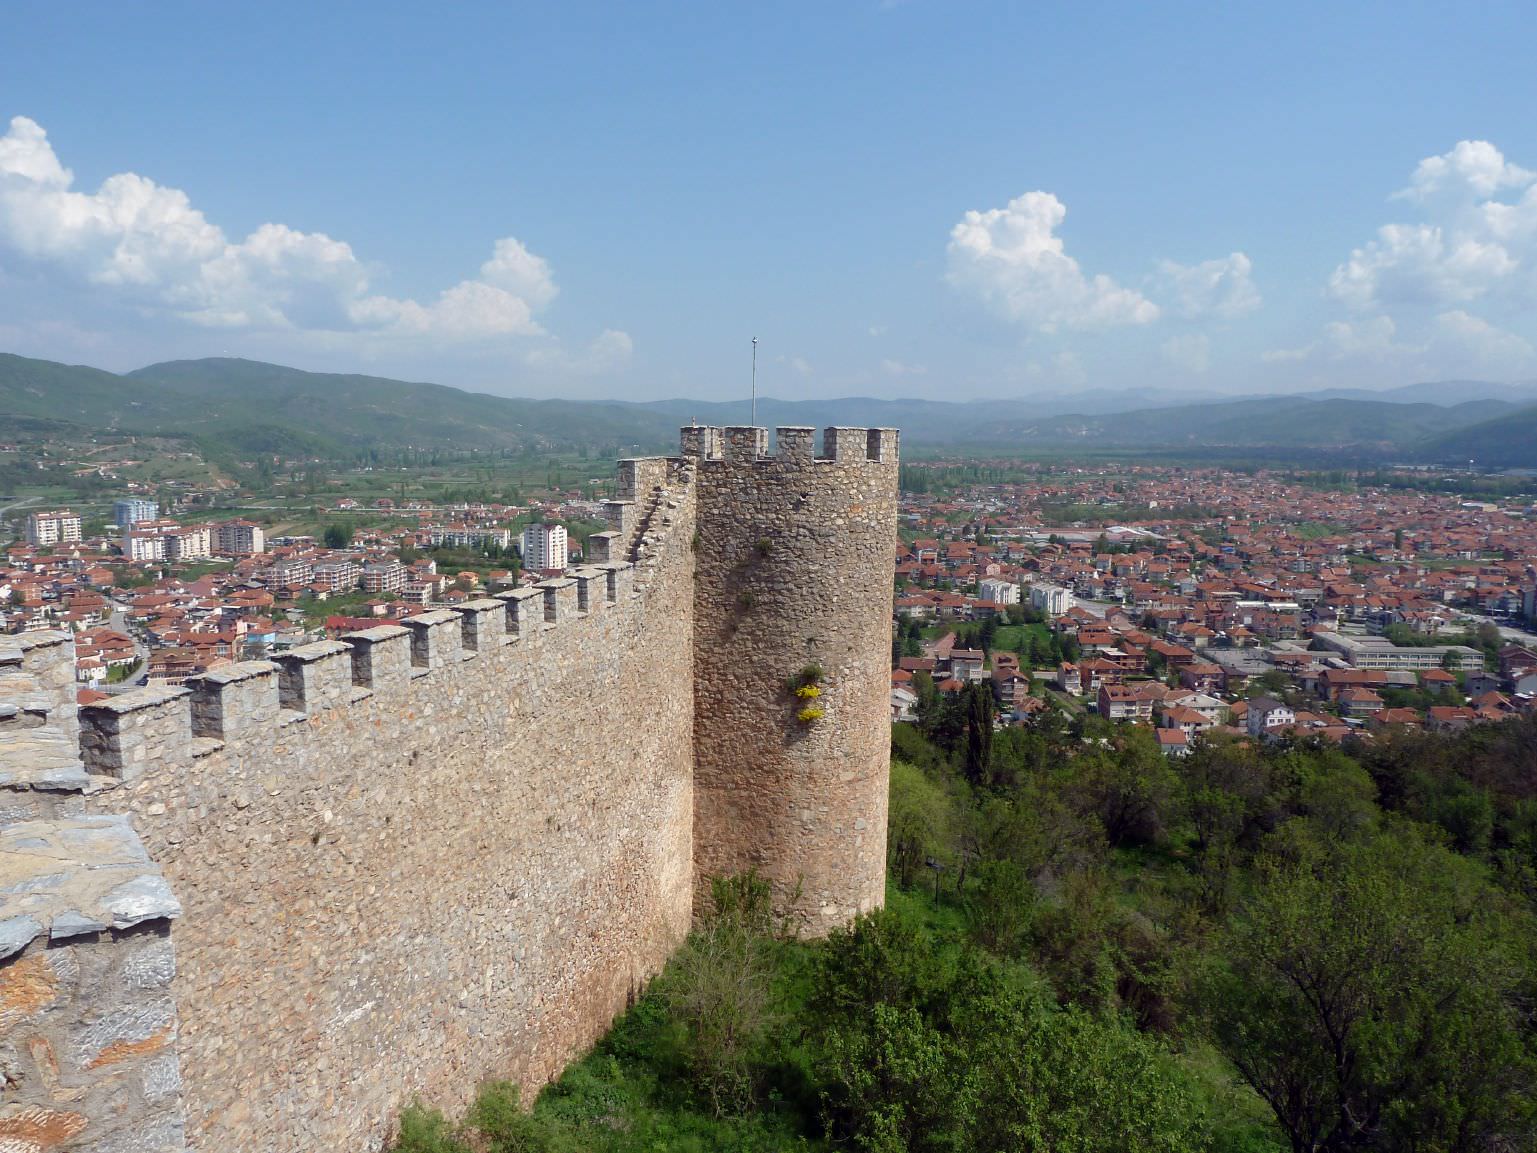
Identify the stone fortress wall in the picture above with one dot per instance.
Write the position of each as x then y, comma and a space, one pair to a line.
439, 852
794, 573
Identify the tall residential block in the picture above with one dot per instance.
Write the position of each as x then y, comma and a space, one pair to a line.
544, 548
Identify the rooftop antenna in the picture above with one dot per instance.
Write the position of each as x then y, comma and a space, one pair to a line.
755, 382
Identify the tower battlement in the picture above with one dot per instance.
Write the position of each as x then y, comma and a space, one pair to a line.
736, 444
465, 840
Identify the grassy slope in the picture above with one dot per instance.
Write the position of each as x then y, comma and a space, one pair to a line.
1509, 441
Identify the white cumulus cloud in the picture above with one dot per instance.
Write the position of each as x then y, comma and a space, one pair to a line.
1220, 288
1469, 245
1014, 261
147, 245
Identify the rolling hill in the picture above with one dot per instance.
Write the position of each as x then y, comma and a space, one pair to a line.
1507, 442
243, 408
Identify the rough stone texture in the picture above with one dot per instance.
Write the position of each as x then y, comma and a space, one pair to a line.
795, 557
461, 870
447, 851
88, 1045
88, 1026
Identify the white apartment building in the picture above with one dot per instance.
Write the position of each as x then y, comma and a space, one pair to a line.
57, 527
285, 573
192, 543
339, 576
1381, 653
468, 536
998, 592
143, 546
384, 577
241, 538
1053, 600
131, 511
544, 547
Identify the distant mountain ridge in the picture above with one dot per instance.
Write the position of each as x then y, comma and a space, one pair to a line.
247, 408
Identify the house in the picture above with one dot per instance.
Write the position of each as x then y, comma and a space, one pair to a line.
1266, 714
1450, 718
1186, 720
1173, 742
1124, 703
1069, 680
966, 664
1359, 702
1202, 677
1011, 687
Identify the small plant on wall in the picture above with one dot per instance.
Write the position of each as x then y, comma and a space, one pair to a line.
806, 687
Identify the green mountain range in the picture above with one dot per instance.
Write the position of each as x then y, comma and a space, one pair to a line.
243, 408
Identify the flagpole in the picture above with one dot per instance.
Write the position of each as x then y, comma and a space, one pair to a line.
755, 382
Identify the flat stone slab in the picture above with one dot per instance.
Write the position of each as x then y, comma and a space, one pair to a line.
80, 875
40, 758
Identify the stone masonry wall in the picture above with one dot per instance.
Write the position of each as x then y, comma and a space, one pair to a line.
448, 850
795, 563
424, 858
88, 1027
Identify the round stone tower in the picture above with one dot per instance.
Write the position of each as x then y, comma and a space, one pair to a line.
792, 641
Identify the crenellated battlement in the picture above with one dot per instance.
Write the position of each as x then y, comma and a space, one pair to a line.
794, 444
238, 709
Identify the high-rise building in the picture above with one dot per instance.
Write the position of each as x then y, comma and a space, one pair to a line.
241, 538
193, 542
544, 548
143, 546
57, 527
133, 510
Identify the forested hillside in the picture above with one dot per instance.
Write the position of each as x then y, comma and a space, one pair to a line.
242, 408
1090, 947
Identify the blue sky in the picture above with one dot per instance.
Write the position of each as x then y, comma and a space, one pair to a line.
921, 198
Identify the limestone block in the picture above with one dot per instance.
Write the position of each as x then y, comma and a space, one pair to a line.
483, 624
127, 735
314, 677
235, 702
381, 658
437, 639
525, 610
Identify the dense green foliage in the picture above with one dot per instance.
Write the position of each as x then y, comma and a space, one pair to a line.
1089, 947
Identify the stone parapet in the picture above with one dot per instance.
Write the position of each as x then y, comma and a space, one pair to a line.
239, 707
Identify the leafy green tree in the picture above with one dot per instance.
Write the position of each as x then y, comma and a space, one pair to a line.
1375, 993
919, 822
1000, 904
1131, 786
1068, 1081
719, 990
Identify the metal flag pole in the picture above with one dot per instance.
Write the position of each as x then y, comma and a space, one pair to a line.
755, 382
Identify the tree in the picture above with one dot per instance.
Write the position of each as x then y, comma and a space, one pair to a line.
979, 732
1374, 994
1131, 786
720, 990
918, 822
999, 906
